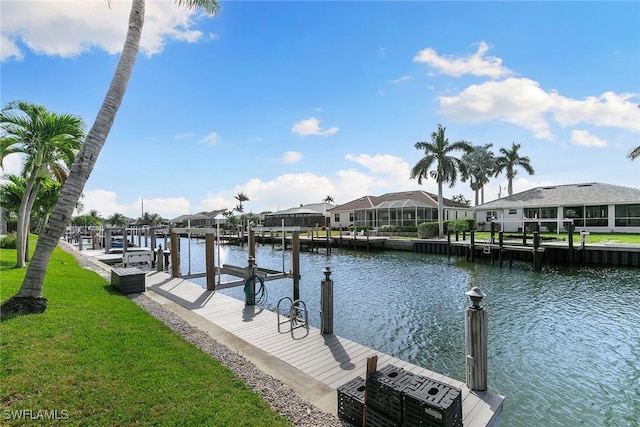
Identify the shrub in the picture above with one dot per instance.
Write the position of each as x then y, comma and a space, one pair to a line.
9, 241
458, 225
427, 229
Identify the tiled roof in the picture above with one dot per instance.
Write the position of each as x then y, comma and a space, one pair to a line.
594, 193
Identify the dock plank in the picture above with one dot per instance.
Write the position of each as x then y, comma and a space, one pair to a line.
329, 359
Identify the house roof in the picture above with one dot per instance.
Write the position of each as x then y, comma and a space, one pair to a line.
310, 209
593, 193
418, 197
201, 215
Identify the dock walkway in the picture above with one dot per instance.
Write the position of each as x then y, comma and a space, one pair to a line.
325, 361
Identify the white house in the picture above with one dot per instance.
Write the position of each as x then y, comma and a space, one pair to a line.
593, 207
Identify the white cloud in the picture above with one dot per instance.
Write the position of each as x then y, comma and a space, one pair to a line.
311, 126
609, 109
523, 102
291, 157
519, 101
386, 170
211, 139
400, 79
476, 63
9, 49
69, 28
582, 137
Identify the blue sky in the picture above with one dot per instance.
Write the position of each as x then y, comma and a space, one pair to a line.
289, 102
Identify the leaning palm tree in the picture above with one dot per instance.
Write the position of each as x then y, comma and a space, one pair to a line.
437, 153
635, 153
49, 143
328, 199
507, 163
480, 164
29, 298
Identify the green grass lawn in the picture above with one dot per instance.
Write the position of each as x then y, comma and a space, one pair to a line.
98, 359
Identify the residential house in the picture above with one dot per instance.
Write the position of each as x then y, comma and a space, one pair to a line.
403, 208
203, 219
302, 216
593, 207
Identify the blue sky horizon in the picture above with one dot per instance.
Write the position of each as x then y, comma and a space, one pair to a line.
289, 102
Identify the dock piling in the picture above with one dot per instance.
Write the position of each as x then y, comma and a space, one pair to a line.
326, 303
476, 332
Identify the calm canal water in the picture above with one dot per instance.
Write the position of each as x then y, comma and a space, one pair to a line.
564, 344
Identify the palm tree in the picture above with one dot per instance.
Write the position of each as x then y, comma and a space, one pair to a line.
328, 199
241, 197
446, 167
635, 153
480, 164
118, 220
49, 142
29, 298
508, 161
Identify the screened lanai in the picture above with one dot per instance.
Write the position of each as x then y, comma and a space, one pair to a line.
405, 212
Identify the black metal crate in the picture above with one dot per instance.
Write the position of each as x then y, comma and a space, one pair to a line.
351, 401
431, 403
379, 419
385, 389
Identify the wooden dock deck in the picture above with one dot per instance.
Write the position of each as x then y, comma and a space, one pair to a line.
329, 359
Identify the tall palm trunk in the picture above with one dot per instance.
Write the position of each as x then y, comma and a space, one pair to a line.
29, 299
33, 195
440, 211
22, 230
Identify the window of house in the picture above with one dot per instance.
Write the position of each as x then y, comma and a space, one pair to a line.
628, 215
491, 215
513, 211
596, 216
350, 216
336, 217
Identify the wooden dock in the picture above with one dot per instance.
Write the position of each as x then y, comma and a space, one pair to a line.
329, 359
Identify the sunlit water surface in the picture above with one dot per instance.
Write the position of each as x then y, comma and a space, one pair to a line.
564, 344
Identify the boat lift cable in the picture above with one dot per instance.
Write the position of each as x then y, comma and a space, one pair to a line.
260, 296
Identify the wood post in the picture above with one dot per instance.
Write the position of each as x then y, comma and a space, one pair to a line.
473, 250
250, 287
252, 243
159, 259
210, 266
175, 254
537, 264
372, 366
326, 303
570, 229
107, 241
448, 245
500, 244
295, 264
476, 332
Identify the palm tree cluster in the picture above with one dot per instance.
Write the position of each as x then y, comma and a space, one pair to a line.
476, 165
48, 143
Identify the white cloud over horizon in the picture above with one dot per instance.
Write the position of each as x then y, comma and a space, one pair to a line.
311, 126
89, 25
